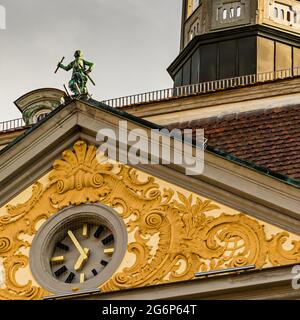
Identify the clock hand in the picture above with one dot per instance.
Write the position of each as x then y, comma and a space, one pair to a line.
81, 260
76, 243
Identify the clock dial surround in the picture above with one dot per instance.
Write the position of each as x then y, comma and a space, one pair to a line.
65, 256
78, 248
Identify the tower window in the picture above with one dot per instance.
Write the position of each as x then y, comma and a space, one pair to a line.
41, 116
195, 4
238, 11
231, 13
283, 14
192, 5
224, 14
194, 29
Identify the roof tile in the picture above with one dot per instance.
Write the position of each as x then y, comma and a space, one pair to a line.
269, 138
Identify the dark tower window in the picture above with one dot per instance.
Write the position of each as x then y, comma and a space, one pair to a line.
288, 16
41, 116
178, 79
208, 62
195, 67
227, 59
186, 76
275, 12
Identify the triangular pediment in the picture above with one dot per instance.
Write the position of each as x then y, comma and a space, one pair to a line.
177, 225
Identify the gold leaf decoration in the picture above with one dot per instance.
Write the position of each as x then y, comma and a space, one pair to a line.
14, 290
279, 255
78, 177
172, 235
16, 213
5, 245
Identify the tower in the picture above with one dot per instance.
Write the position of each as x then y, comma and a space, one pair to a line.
35, 105
229, 38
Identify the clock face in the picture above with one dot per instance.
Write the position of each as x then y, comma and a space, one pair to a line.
82, 253
78, 249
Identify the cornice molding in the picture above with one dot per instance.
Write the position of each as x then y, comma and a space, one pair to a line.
219, 100
271, 283
241, 188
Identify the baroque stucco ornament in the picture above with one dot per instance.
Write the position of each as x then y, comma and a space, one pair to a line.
172, 235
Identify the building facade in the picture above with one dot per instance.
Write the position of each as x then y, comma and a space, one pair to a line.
76, 224
226, 39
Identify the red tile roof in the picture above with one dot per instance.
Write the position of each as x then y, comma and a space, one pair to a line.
267, 138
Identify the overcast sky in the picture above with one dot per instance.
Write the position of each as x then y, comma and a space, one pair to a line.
131, 42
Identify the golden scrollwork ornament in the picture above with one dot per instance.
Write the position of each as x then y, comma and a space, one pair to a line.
173, 235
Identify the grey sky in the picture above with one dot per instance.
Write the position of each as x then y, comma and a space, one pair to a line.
132, 42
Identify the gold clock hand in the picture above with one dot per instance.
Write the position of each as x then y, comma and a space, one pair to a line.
77, 244
81, 260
